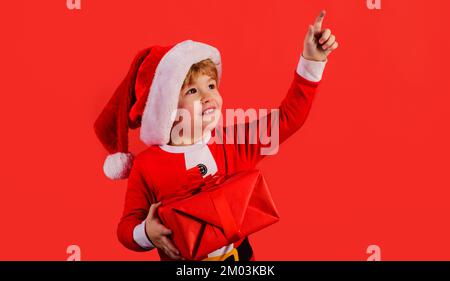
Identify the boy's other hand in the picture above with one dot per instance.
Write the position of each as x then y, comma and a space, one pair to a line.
319, 43
158, 234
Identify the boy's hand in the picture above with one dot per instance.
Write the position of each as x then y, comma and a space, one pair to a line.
319, 43
158, 234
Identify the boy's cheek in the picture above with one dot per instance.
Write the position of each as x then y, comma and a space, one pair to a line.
219, 102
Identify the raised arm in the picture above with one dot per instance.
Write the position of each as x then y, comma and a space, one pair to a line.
253, 140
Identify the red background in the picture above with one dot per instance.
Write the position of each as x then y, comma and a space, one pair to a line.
370, 166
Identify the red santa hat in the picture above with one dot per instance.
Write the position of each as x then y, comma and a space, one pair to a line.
148, 97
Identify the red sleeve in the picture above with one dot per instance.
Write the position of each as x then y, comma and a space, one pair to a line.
137, 204
292, 113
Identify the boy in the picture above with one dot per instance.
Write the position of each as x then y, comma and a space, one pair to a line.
168, 88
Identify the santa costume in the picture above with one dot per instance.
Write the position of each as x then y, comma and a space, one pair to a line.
147, 98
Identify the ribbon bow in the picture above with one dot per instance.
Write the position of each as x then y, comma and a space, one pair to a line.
197, 185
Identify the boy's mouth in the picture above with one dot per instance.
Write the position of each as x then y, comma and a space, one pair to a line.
209, 110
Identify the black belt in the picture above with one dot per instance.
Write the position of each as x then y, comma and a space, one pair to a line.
245, 251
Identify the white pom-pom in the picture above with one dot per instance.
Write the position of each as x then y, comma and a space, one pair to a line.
117, 166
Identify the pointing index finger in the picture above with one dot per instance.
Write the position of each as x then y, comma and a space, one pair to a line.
319, 21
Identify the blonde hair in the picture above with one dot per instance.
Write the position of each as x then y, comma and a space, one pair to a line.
205, 67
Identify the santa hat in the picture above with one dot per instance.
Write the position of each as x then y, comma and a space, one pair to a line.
148, 97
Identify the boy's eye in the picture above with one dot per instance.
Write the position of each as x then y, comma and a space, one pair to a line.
192, 91
212, 86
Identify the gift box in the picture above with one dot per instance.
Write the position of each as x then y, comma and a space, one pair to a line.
217, 211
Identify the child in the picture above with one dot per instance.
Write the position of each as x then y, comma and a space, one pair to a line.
168, 88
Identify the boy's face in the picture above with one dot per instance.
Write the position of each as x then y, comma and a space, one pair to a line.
202, 101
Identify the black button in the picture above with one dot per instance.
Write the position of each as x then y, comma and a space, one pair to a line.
203, 169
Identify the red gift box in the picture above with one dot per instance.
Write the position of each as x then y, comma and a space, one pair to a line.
218, 211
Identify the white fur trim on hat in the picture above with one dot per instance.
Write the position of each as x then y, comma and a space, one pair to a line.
162, 102
118, 165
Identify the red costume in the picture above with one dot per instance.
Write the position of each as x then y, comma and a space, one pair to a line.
161, 170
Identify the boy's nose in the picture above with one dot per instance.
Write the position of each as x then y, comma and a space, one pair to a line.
206, 97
